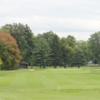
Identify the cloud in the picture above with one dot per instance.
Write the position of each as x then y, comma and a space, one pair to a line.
75, 17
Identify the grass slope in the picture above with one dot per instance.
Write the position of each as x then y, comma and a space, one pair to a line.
50, 84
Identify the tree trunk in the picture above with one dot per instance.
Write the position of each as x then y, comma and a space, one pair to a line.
64, 65
31, 63
55, 67
40, 66
78, 65
44, 66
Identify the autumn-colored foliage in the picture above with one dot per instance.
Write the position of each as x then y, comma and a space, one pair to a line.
9, 51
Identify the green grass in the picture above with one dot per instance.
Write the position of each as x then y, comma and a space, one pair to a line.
51, 84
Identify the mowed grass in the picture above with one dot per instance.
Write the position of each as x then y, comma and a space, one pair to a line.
51, 84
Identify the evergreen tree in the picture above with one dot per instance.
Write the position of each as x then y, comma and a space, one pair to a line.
56, 50
48, 36
78, 59
42, 52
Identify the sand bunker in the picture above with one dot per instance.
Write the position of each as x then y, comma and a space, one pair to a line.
31, 69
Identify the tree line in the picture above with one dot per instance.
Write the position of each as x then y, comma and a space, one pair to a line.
48, 49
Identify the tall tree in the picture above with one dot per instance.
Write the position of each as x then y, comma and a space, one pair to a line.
71, 41
48, 36
67, 51
9, 51
42, 52
83, 46
24, 37
94, 45
56, 50
78, 59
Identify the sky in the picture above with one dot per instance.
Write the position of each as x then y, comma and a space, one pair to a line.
79, 18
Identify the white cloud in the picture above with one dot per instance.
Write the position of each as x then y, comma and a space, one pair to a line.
75, 17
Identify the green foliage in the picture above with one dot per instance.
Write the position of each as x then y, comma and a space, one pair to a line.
56, 50
1, 62
71, 41
83, 46
79, 59
42, 52
3, 30
48, 36
67, 51
24, 37
94, 46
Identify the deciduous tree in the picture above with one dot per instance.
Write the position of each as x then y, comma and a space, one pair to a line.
24, 37
1, 62
94, 45
9, 51
83, 46
67, 51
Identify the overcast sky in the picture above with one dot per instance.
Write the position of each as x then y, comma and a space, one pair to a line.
79, 18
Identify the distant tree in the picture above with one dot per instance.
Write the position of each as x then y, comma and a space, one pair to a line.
94, 46
56, 50
48, 36
9, 51
78, 59
83, 46
42, 52
69, 54
67, 51
24, 37
71, 41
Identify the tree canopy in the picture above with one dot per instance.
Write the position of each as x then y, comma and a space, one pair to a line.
78, 59
1, 62
94, 45
48, 49
9, 51
42, 52
67, 51
24, 37
56, 51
